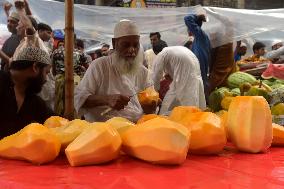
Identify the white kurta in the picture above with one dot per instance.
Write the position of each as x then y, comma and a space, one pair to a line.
150, 58
279, 53
103, 78
48, 91
186, 88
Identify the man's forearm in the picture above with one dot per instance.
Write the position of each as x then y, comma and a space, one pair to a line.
28, 10
4, 57
96, 100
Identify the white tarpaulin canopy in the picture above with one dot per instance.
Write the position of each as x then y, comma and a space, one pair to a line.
225, 25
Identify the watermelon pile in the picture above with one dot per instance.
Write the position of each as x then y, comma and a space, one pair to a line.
241, 83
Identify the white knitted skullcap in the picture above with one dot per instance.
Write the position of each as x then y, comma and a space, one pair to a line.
125, 28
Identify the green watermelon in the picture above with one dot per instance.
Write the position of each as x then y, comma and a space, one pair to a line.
269, 82
238, 78
276, 86
236, 92
216, 97
277, 81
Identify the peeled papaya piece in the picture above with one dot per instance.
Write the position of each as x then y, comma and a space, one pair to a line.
148, 96
68, 133
180, 112
98, 143
208, 135
158, 141
147, 117
224, 120
250, 124
278, 135
120, 124
55, 121
34, 143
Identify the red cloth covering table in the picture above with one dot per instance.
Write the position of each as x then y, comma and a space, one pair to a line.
230, 170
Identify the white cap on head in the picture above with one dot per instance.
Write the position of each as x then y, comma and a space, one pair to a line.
275, 42
125, 28
243, 44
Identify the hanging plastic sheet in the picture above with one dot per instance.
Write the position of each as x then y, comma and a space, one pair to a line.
229, 170
97, 22
225, 25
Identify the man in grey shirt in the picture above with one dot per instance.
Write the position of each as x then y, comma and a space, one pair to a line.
13, 41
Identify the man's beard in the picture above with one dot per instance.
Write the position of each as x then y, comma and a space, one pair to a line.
128, 66
35, 84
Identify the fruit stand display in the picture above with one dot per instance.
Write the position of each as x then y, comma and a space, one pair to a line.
237, 144
244, 84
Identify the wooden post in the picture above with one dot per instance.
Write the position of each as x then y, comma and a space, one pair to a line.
68, 60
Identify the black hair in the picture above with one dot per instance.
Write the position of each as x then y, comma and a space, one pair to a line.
159, 46
24, 64
156, 33
34, 22
257, 46
106, 45
98, 52
43, 26
80, 43
199, 21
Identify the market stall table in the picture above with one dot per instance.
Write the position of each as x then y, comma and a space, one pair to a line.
227, 170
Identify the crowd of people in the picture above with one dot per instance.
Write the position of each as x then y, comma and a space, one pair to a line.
107, 81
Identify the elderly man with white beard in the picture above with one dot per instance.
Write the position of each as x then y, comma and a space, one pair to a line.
112, 82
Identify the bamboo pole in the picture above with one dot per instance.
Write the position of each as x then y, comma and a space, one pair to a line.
68, 59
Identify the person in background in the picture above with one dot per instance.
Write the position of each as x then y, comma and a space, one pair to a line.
20, 104
258, 50
201, 46
241, 50
188, 44
44, 31
97, 54
149, 54
13, 41
58, 38
257, 58
167, 80
31, 38
276, 55
186, 88
105, 49
58, 70
222, 56
276, 45
110, 86
84, 57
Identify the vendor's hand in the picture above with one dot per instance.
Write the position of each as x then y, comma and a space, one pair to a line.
151, 108
19, 5
117, 101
